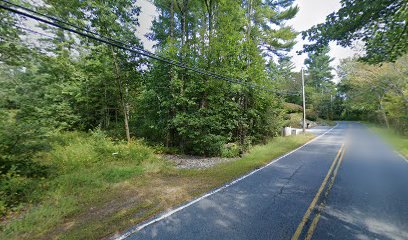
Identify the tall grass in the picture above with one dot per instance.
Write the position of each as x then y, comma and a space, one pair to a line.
83, 168
89, 196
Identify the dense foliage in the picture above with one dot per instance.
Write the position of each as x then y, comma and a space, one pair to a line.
199, 114
53, 81
376, 93
380, 24
368, 92
320, 88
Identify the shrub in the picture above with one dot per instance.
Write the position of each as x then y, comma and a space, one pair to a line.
3, 207
292, 108
207, 145
230, 150
311, 115
294, 120
77, 162
21, 139
15, 189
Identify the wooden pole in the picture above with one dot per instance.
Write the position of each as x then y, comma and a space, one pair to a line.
304, 101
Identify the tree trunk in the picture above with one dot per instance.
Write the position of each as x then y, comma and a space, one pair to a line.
387, 124
208, 4
121, 96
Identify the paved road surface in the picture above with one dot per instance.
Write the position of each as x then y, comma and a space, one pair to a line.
347, 184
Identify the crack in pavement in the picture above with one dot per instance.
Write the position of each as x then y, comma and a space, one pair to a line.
288, 180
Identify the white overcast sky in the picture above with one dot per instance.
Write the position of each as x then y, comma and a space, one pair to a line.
311, 13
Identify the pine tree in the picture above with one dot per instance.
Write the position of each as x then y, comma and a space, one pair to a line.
320, 87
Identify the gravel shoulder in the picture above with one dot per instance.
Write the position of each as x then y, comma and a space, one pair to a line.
190, 162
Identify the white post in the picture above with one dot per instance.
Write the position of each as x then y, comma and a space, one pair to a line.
304, 102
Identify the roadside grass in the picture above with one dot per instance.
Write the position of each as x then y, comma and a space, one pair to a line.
82, 168
259, 156
399, 142
96, 193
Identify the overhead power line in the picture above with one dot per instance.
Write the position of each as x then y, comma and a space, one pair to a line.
79, 28
55, 22
16, 25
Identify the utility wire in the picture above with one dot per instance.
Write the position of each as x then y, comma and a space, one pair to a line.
139, 50
238, 81
75, 26
115, 44
124, 46
16, 25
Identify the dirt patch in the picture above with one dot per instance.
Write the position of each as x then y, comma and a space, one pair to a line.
131, 202
189, 162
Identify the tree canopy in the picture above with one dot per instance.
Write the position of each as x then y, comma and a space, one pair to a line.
380, 24
377, 94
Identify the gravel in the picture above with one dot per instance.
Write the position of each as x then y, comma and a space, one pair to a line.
189, 162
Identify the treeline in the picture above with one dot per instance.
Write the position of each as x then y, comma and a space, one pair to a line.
375, 93
199, 114
66, 82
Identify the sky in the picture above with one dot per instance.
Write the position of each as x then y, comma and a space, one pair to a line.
311, 13
147, 15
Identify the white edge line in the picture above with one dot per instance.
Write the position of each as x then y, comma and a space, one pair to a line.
165, 215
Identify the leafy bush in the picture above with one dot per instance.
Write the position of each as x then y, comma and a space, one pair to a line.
3, 207
292, 108
230, 150
76, 162
294, 120
21, 139
311, 115
207, 145
15, 189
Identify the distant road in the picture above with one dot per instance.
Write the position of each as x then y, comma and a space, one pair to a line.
347, 184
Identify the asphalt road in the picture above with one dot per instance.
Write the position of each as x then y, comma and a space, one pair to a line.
347, 184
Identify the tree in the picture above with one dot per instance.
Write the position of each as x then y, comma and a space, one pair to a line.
200, 114
266, 25
114, 19
82, 84
380, 24
378, 94
13, 50
320, 88
319, 69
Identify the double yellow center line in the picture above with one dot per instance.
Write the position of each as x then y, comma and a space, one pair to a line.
333, 173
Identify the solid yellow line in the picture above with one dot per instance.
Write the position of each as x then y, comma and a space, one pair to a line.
316, 198
313, 226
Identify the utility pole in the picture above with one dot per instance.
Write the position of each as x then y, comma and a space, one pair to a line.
331, 107
304, 101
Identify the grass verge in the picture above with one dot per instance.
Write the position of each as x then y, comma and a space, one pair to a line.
400, 143
103, 194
